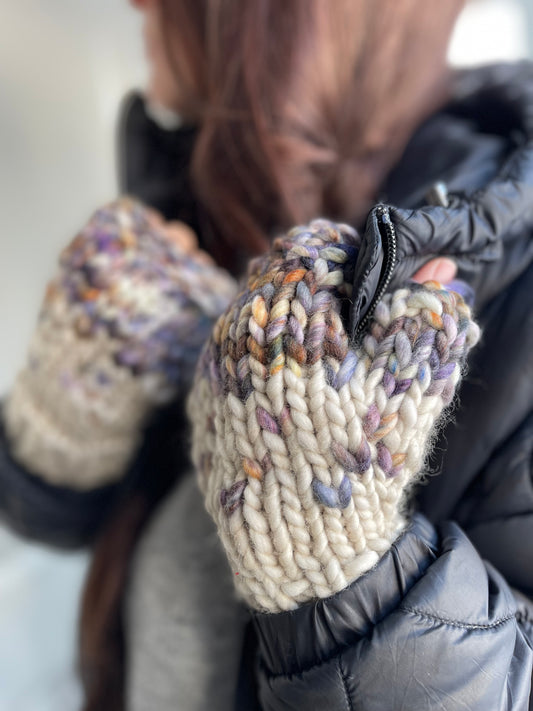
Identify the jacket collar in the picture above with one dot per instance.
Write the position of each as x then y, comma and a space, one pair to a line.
481, 145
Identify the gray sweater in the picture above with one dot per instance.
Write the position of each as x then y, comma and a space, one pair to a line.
184, 634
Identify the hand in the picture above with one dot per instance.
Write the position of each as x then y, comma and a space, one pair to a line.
306, 441
118, 335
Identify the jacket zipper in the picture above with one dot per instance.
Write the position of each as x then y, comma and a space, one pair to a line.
389, 242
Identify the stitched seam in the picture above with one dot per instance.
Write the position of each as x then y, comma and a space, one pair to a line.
345, 687
410, 610
457, 623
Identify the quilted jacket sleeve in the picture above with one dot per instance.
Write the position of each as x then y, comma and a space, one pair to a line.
69, 518
50, 514
431, 627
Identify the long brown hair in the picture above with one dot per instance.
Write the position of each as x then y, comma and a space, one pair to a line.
303, 106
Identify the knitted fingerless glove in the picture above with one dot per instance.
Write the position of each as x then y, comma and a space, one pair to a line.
119, 334
304, 442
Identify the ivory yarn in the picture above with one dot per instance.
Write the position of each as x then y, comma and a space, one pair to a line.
304, 442
119, 334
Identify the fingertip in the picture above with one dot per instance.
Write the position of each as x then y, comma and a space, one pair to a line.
441, 269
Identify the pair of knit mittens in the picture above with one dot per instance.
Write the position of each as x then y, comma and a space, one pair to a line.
304, 441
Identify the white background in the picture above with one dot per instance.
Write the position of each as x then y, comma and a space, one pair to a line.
64, 67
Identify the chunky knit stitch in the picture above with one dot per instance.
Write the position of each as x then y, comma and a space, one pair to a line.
119, 333
304, 442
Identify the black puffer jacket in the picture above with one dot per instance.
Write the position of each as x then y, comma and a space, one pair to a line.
433, 626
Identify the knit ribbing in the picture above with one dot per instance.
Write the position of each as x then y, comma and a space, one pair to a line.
305, 442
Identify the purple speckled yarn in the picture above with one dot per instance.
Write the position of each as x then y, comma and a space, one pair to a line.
304, 441
119, 334
124, 277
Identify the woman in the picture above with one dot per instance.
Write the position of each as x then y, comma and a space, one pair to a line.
306, 111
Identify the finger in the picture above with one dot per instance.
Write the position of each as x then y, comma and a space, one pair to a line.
440, 269
182, 236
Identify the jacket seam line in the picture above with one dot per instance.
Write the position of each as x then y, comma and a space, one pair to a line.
345, 686
332, 658
410, 610
458, 623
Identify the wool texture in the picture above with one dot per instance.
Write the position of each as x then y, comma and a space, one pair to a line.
119, 334
304, 442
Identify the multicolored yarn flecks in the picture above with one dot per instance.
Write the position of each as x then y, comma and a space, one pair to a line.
304, 442
119, 334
